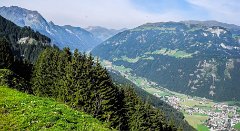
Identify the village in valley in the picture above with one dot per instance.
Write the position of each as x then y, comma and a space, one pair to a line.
220, 116
199, 112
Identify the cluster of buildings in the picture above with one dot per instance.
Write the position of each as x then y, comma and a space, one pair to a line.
224, 119
221, 117
173, 101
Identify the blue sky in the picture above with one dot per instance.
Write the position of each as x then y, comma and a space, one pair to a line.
184, 8
160, 6
130, 13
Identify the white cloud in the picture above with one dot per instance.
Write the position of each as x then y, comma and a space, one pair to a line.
116, 13
108, 13
221, 10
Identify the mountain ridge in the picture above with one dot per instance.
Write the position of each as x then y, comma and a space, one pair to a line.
24, 42
102, 32
62, 36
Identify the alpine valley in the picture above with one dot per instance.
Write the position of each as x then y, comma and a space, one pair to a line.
164, 76
193, 66
189, 57
23, 51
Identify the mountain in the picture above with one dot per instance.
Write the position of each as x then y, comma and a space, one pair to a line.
62, 36
194, 59
24, 42
94, 92
103, 33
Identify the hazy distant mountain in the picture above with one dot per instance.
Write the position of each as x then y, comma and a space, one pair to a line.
62, 36
103, 33
190, 58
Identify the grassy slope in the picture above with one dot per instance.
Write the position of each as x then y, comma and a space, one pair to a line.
237, 126
20, 111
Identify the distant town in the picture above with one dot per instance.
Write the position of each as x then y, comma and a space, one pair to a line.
221, 116
217, 116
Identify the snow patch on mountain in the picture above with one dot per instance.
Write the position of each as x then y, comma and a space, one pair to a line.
69, 31
205, 34
217, 31
229, 47
225, 46
48, 31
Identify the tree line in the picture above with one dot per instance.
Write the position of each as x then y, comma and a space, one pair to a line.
82, 83
79, 81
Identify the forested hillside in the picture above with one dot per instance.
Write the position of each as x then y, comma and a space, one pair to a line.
85, 85
74, 79
187, 58
20, 47
25, 43
171, 114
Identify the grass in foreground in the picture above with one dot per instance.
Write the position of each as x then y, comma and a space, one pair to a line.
20, 111
237, 126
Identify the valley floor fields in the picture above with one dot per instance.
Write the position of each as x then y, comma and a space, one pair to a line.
201, 113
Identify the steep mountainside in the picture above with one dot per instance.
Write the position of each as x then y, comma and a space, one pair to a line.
25, 42
62, 36
189, 58
103, 33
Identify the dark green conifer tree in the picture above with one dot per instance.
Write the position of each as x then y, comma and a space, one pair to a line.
44, 75
85, 85
6, 56
105, 95
64, 75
